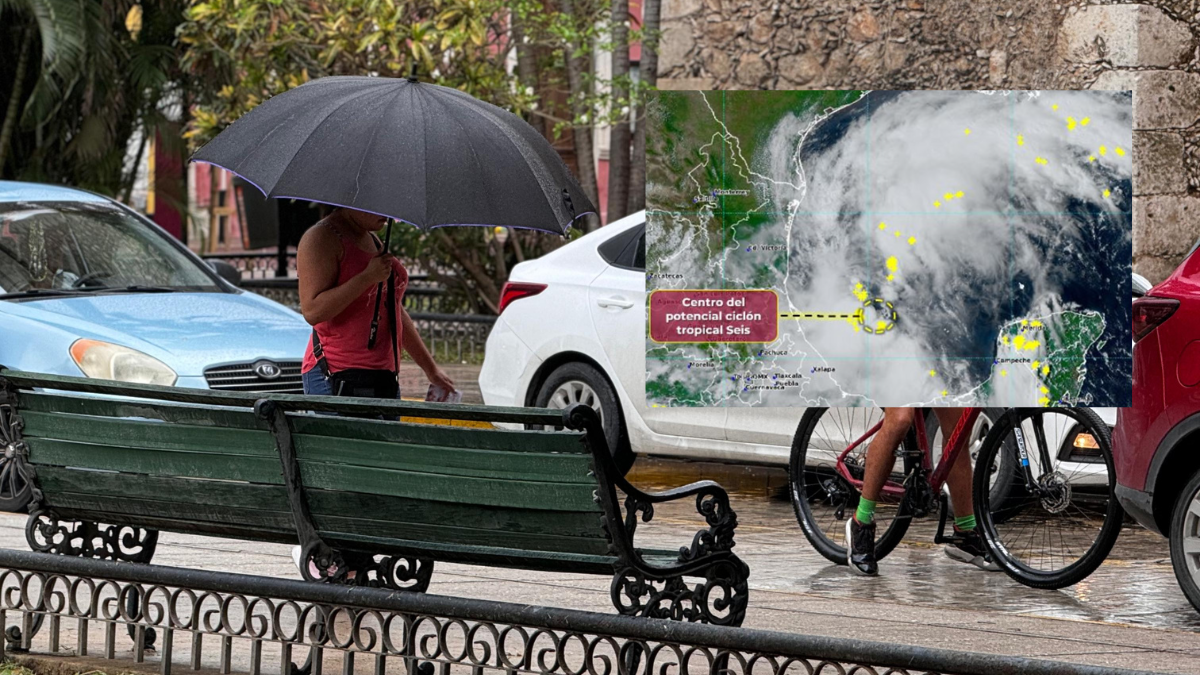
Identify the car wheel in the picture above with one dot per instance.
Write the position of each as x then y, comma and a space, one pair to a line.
577, 382
1185, 541
1005, 486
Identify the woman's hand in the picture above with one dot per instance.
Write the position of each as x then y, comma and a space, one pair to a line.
439, 377
378, 269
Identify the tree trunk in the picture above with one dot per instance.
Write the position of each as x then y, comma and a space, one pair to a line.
526, 64
619, 137
648, 71
14, 103
585, 158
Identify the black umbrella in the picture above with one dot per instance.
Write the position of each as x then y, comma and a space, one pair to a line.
417, 152
420, 153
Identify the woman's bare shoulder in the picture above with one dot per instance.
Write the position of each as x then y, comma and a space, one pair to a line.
321, 236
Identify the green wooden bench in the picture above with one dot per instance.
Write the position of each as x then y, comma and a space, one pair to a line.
369, 501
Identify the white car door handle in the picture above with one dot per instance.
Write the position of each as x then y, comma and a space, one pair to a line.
615, 301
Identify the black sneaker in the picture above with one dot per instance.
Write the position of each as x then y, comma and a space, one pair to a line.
860, 551
968, 547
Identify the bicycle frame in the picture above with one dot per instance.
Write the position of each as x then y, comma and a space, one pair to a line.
935, 475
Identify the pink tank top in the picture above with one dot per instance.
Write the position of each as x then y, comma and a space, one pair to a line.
344, 337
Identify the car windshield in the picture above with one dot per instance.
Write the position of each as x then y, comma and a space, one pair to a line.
54, 248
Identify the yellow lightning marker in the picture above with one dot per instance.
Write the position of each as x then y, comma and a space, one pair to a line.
958, 195
1046, 369
966, 132
1043, 401
1071, 124
933, 373
1120, 151
1041, 160
1019, 341
1107, 193
937, 205
1020, 139
1003, 373
1103, 150
912, 241
882, 225
943, 392
1091, 158
897, 233
891, 264
1084, 122
1044, 390
1035, 364
1035, 323
1031, 345
1054, 107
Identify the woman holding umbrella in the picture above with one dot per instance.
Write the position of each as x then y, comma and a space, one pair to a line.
414, 152
342, 268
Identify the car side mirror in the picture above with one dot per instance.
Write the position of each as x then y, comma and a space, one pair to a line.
227, 272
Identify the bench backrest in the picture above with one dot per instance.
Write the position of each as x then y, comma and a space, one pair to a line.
203, 462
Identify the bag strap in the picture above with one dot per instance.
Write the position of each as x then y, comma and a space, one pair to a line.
391, 303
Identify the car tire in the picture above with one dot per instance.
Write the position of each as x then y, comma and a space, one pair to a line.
1185, 527
578, 382
1006, 488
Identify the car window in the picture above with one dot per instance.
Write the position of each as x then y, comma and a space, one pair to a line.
74, 245
614, 250
639, 254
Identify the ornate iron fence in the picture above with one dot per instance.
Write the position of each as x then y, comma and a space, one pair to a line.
50, 603
257, 265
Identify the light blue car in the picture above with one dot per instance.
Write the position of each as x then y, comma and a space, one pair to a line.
90, 287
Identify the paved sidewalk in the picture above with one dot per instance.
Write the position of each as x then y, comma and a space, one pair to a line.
1129, 614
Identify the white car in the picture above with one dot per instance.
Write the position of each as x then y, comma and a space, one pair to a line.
572, 329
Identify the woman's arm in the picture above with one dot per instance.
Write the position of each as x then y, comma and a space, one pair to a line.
321, 298
415, 346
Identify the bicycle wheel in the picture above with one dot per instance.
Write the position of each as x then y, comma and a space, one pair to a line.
823, 499
1065, 521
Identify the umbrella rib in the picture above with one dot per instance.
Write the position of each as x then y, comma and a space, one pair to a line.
486, 114
374, 133
474, 156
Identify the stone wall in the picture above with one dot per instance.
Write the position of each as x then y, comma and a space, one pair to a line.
1150, 48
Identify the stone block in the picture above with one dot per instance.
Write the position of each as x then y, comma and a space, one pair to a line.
1124, 35
1165, 226
1158, 166
1166, 99
752, 70
800, 68
862, 26
685, 83
674, 45
676, 9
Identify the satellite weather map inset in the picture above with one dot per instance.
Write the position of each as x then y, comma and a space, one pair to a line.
933, 248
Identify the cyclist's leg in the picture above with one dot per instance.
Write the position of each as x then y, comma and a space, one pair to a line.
881, 457
881, 453
968, 546
959, 478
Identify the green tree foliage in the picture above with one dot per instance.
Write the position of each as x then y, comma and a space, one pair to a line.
77, 79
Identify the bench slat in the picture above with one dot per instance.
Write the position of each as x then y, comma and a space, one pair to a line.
427, 434
168, 412
495, 522
491, 555
440, 488
207, 464
149, 434
449, 461
477, 413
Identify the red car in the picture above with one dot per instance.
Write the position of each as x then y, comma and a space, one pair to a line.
1156, 443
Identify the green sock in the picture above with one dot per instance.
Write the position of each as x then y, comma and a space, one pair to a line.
866, 511
965, 523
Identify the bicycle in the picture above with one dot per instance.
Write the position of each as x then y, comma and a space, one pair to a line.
1046, 529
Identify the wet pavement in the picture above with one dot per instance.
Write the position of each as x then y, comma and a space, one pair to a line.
1129, 614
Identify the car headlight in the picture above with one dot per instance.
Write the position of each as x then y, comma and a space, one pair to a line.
107, 361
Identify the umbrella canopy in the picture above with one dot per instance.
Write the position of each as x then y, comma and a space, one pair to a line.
421, 153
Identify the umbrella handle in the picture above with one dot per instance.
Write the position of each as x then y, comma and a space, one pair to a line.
387, 239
